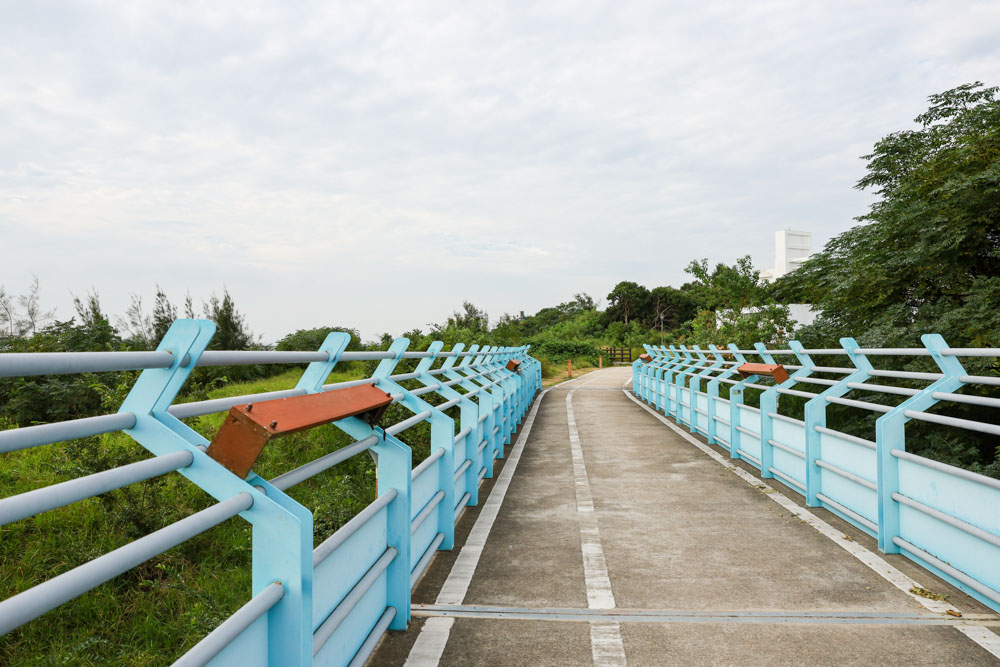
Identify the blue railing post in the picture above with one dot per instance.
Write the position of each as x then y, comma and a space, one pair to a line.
469, 413
442, 437
705, 374
486, 418
768, 404
890, 434
680, 383
712, 389
395, 466
282, 538
735, 401
815, 418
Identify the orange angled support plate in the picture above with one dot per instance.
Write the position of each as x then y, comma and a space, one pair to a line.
513, 365
250, 426
646, 358
777, 371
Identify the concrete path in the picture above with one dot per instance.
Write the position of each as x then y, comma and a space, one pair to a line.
619, 541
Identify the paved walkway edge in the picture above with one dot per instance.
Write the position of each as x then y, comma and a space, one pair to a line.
980, 635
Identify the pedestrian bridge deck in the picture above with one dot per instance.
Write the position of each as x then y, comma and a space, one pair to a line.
611, 537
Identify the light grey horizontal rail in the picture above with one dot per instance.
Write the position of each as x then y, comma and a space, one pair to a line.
786, 448
783, 418
971, 352
32, 603
796, 392
847, 511
426, 511
847, 475
211, 406
894, 351
833, 369
967, 424
43, 434
449, 404
361, 657
955, 522
984, 401
461, 470
701, 412
461, 503
904, 375
762, 387
750, 408
332, 543
482, 473
749, 457
752, 434
980, 379
302, 473
24, 364
482, 445
204, 651
721, 400
864, 405
352, 383
426, 463
884, 389
812, 380
346, 606
722, 441
955, 573
426, 390
461, 434
788, 479
947, 469
47, 498
425, 559
844, 436
356, 355
721, 420
254, 357
407, 423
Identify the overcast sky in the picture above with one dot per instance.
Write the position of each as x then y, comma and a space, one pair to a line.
373, 164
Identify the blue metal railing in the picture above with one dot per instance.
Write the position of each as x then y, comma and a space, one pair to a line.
327, 605
946, 519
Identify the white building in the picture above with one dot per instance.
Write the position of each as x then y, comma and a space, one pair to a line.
791, 249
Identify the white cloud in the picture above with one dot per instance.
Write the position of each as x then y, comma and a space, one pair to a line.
374, 164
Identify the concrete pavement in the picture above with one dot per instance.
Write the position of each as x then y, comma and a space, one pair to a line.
619, 541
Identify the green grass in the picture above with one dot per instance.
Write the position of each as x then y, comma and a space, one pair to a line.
153, 613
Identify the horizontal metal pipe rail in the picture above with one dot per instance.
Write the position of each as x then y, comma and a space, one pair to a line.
475, 379
857, 478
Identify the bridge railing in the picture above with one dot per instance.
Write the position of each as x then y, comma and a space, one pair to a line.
945, 518
328, 605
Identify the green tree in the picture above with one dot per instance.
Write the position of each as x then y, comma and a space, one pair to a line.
627, 301
232, 332
926, 257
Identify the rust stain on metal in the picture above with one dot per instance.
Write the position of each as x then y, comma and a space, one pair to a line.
513, 365
249, 427
777, 371
645, 358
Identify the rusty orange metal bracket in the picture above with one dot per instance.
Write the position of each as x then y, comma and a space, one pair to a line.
645, 358
247, 428
777, 371
513, 365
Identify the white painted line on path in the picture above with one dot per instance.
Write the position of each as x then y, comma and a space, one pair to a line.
431, 641
605, 636
981, 636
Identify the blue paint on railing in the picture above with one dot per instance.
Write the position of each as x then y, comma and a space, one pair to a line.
324, 606
944, 518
